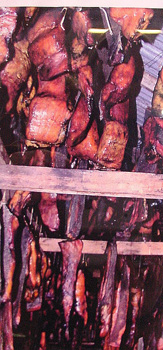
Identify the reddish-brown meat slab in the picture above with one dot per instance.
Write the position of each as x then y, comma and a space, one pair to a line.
8, 21
117, 88
157, 101
80, 297
119, 112
71, 254
11, 224
16, 71
82, 139
105, 303
131, 19
45, 22
80, 25
49, 211
119, 315
48, 53
85, 81
55, 87
112, 145
48, 120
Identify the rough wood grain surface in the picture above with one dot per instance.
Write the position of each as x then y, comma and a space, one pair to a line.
76, 181
99, 247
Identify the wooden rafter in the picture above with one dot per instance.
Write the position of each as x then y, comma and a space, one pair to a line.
99, 247
82, 182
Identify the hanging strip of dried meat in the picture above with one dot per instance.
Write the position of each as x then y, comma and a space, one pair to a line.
121, 306
106, 295
25, 246
11, 224
71, 253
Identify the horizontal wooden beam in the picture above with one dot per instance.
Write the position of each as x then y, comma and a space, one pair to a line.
99, 247
82, 182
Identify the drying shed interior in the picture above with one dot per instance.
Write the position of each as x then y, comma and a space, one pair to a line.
81, 178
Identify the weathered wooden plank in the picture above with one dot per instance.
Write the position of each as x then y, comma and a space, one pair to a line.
140, 248
76, 181
99, 247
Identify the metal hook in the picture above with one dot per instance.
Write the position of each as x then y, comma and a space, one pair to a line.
31, 216
3, 200
106, 20
63, 18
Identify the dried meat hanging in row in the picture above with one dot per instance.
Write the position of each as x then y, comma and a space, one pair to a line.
120, 308
71, 252
106, 294
57, 64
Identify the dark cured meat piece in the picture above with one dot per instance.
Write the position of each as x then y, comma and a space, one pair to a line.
48, 120
85, 81
80, 25
82, 139
6, 331
149, 129
32, 264
25, 97
75, 216
153, 287
137, 281
49, 211
80, 315
153, 127
54, 87
105, 303
78, 124
85, 146
16, 71
29, 14
54, 65
153, 326
117, 88
159, 136
71, 253
79, 46
159, 130
11, 224
153, 143
21, 198
35, 274
139, 213
135, 302
45, 22
39, 158
79, 61
146, 227
143, 166
112, 145
25, 242
80, 297
119, 112
121, 307
46, 45
19, 201
8, 20
131, 19
157, 101
48, 53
